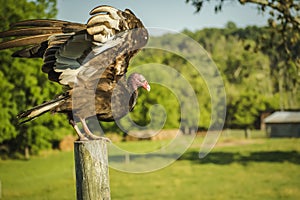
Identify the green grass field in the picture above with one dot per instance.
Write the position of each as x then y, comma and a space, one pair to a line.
257, 168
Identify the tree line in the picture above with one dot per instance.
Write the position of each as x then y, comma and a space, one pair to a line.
256, 79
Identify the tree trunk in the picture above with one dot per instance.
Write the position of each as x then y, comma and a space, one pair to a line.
27, 153
247, 133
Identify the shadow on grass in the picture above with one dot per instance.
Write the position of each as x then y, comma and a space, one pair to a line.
224, 158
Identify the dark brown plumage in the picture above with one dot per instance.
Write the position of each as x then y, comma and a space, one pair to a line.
89, 60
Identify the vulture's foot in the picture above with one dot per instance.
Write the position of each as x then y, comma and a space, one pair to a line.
96, 137
81, 136
90, 135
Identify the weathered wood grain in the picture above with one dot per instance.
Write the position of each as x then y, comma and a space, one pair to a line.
91, 166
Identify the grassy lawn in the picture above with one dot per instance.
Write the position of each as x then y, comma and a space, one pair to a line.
257, 168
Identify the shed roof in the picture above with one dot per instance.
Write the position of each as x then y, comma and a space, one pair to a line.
283, 117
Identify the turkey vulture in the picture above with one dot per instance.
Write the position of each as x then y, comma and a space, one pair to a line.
87, 60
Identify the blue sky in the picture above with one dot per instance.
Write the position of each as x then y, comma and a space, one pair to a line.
168, 14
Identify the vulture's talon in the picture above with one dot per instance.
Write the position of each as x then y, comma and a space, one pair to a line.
95, 137
105, 139
83, 139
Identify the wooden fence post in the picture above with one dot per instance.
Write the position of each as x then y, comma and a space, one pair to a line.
91, 166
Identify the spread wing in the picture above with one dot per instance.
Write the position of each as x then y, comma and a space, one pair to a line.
74, 52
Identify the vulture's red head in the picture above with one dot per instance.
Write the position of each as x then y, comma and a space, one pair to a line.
137, 80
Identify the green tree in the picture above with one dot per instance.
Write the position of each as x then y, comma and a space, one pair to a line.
244, 109
244, 72
7, 130
24, 85
281, 41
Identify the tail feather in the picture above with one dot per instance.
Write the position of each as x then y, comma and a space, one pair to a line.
35, 112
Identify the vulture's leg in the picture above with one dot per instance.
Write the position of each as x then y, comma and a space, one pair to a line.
80, 135
90, 134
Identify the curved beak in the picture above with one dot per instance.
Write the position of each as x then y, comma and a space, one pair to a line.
146, 86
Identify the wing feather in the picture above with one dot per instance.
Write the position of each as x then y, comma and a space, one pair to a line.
105, 9
30, 31
75, 52
106, 47
64, 25
37, 39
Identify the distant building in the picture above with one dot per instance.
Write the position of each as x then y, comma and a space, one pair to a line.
283, 124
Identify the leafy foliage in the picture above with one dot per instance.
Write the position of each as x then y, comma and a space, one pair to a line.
24, 85
281, 41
